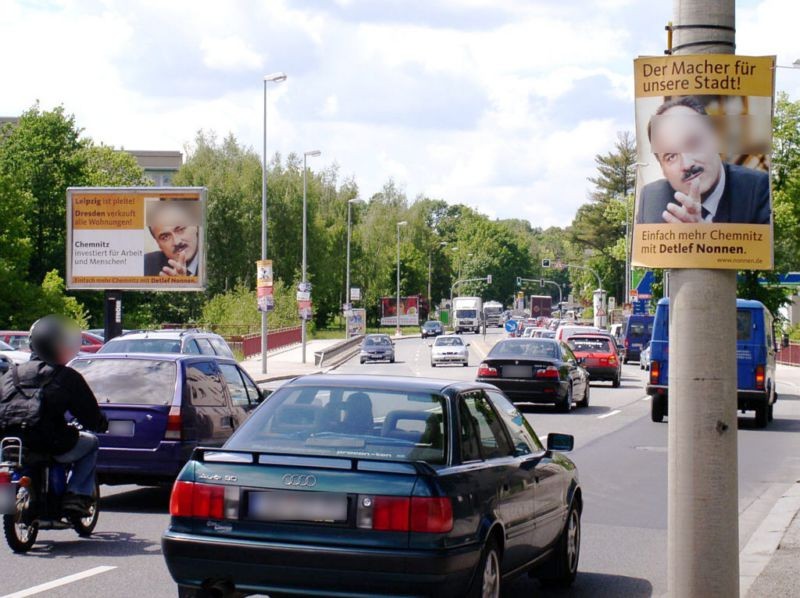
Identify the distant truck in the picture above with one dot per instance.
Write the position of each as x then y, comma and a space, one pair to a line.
493, 313
467, 312
541, 306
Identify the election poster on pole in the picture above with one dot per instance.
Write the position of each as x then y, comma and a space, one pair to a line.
704, 136
136, 238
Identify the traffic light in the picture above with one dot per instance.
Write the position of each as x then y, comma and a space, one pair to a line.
519, 281
545, 263
541, 282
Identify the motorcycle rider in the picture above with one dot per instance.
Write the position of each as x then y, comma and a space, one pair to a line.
54, 341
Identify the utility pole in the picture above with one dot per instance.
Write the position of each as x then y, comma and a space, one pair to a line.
703, 516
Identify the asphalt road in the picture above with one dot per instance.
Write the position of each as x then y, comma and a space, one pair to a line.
620, 453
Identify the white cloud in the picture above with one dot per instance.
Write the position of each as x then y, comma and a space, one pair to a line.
228, 54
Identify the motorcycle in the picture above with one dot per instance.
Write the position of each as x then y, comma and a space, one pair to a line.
32, 487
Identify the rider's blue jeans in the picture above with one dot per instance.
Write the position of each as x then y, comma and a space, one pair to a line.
83, 457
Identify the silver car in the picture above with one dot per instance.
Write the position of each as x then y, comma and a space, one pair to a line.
449, 349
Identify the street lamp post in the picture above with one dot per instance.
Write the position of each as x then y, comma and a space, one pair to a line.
347, 298
397, 331
313, 153
275, 78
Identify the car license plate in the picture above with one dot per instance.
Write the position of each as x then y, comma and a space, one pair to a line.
517, 371
8, 499
297, 506
120, 427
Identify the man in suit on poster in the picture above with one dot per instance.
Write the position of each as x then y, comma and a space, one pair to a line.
698, 186
174, 228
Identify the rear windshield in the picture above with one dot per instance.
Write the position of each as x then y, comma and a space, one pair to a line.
142, 345
129, 381
351, 422
577, 343
744, 324
640, 329
532, 348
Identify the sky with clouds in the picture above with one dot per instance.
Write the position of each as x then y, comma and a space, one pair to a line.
498, 104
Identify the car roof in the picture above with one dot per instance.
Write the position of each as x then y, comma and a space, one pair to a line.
376, 335
157, 357
377, 382
170, 334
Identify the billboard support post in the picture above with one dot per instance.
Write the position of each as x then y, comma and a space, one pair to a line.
703, 531
112, 315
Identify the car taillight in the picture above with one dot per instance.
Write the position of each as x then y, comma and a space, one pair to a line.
431, 515
760, 376
402, 514
174, 425
612, 360
655, 372
487, 371
627, 343
203, 501
550, 371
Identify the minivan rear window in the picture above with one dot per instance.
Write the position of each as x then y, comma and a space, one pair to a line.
129, 381
640, 329
348, 422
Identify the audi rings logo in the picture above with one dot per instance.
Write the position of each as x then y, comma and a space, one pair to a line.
295, 479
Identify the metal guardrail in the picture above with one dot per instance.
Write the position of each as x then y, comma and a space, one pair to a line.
345, 348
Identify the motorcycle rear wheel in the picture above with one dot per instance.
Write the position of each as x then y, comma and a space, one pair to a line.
19, 535
85, 525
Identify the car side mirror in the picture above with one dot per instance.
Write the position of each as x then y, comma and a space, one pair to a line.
560, 442
467, 344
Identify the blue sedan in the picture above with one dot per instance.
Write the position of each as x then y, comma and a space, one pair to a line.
364, 486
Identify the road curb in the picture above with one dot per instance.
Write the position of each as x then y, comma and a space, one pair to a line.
766, 540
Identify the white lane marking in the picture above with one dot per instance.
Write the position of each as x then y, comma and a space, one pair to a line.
609, 414
59, 582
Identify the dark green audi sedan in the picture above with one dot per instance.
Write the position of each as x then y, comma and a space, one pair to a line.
363, 486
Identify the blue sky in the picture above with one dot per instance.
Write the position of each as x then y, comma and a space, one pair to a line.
499, 104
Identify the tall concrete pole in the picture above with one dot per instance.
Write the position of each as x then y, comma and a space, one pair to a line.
703, 530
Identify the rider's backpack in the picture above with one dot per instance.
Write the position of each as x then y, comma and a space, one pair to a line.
21, 408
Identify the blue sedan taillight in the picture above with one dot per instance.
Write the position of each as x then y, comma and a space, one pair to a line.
202, 501
403, 514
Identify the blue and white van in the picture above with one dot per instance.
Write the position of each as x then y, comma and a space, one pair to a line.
755, 359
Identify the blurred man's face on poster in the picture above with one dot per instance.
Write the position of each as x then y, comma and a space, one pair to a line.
686, 146
175, 236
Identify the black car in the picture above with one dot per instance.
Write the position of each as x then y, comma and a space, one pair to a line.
376, 347
537, 370
432, 328
376, 486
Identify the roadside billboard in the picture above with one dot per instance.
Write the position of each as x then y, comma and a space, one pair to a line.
136, 238
409, 311
703, 136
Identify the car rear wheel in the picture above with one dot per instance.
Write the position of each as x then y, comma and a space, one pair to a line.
564, 405
616, 381
433, 365
486, 581
657, 408
563, 567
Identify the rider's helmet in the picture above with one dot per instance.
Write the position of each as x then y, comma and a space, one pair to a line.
55, 339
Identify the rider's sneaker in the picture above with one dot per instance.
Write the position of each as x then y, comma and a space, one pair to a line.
74, 504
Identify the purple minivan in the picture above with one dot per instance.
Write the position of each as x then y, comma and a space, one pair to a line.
160, 407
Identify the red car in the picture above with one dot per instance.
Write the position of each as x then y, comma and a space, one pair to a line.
90, 343
598, 353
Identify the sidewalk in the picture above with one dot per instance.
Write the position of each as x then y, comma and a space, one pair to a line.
287, 363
